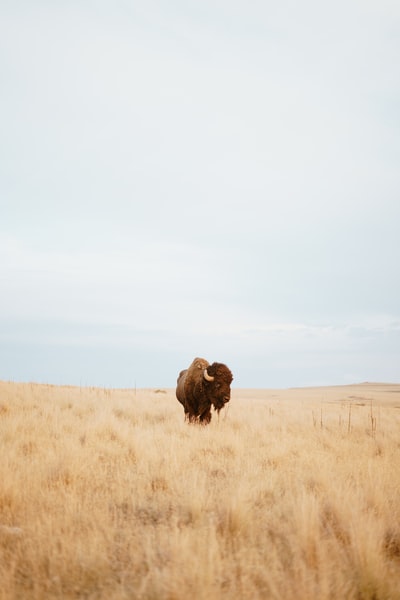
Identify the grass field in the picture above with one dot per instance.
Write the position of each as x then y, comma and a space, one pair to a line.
291, 494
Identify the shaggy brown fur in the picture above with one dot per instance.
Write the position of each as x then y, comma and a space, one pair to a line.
197, 394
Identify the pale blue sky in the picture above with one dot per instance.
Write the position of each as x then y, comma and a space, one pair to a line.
199, 178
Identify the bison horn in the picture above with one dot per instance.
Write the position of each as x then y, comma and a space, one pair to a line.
207, 377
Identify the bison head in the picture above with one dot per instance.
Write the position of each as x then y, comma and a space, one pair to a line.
219, 379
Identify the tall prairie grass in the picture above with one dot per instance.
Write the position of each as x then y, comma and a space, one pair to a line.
108, 494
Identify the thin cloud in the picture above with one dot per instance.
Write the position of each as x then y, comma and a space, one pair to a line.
218, 179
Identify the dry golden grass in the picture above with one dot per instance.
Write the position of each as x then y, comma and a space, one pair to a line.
108, 494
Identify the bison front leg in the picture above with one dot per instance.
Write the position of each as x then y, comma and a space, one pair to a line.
205, 417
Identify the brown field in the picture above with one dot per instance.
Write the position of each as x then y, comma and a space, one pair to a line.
108, 494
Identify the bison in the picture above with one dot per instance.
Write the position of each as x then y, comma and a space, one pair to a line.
201, 386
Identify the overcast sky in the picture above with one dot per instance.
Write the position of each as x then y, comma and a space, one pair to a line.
199, 178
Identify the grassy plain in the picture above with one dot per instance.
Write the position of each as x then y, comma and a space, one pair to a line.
291, 494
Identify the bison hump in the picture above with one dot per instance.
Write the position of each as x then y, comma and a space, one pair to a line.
199, 363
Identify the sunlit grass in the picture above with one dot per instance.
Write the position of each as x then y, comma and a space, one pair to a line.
109, 494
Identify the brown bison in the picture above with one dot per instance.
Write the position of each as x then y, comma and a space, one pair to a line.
201, 386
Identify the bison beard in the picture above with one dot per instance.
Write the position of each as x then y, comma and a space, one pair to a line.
201, 386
